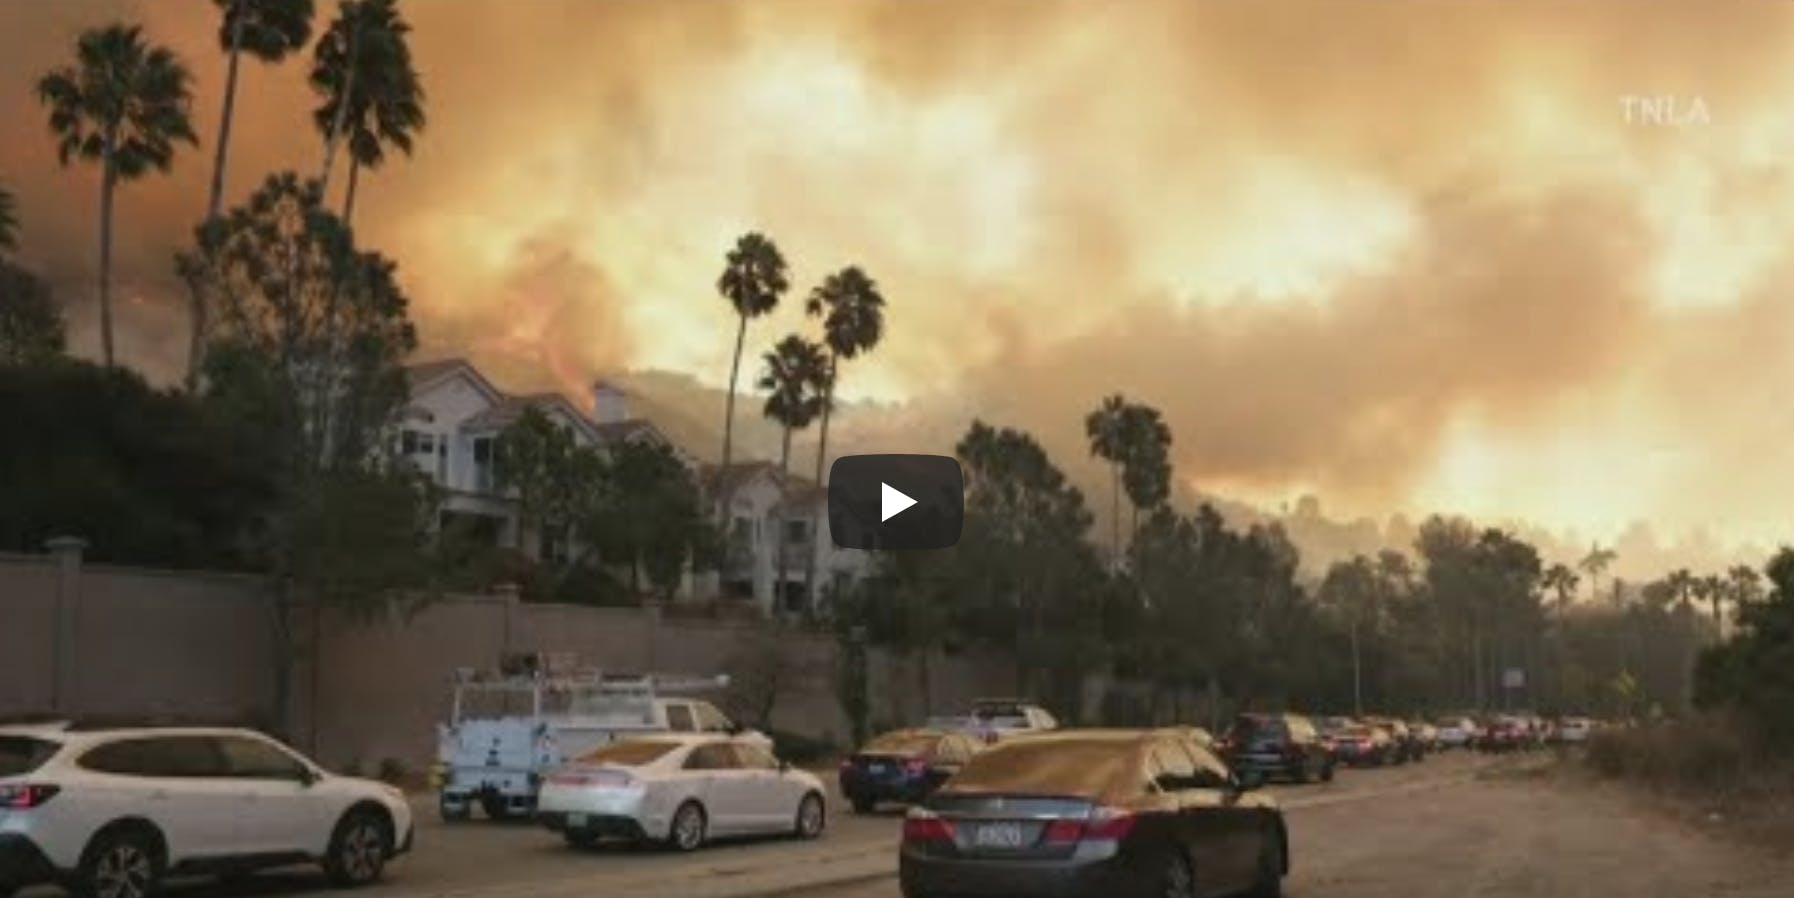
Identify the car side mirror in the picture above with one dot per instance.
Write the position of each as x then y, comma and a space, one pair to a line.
307, 777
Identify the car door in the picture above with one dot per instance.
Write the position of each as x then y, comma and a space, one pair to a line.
1199, 828
178, 782
722, 787
1241, 821
770, 793
279, 810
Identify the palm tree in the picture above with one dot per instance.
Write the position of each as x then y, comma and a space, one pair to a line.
1718, 590
123, 104
753, 280
371, 93
267, 30
1146, 460
853, 321
1561, 579
1746, 585
1681, 585
1594, 564
796, 375
9, 221
1107, 429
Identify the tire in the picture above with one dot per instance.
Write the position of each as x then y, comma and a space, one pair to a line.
358, 849
1300, 774
689, 828
453, 814
579, 839
120, 863
864, 805
1178, 879
495, 808
812, 817
1327, 772
1269, 881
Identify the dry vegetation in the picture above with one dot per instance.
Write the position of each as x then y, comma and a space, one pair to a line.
1713, 764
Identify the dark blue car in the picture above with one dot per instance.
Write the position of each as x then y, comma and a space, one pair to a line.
903, 766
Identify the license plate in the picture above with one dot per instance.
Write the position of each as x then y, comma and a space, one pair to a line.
880, 768
576, 820
997, 835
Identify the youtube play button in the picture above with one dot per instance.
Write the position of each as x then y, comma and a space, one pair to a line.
895, 501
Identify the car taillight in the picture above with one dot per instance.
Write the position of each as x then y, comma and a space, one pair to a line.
924, 826
24, 798
1064, 832
916, 767
1108, 825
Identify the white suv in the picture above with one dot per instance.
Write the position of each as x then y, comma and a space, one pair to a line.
109, 812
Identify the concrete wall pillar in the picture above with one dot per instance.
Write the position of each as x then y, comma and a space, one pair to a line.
66, 636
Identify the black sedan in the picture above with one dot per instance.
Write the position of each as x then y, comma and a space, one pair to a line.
1100, 813
904, 766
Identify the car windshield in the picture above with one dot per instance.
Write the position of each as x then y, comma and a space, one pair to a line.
902, 744
631, 752
20, 755
1256, 727
1081, 767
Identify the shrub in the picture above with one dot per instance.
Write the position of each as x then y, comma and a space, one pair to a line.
1717, 755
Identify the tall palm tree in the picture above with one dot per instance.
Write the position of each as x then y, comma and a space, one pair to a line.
853, 321
1594, 564
1146, 460
362, 71
123, 103
1107, 429
1746, 585
753, 280
1718, 591
267, 30
9, 221
795, 375
1562, 580
1681, 585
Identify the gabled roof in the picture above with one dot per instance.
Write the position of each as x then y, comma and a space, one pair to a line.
424, 375
510, 408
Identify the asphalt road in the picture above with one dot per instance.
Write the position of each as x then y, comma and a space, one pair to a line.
478, 859
1509, 833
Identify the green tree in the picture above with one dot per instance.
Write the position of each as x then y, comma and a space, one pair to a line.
31, 328
853, 321
370, 92
1561, 580
1594, 564
551, 474
796, 377
651, 518
753, 280
1352, 587
267, 30
1146, 468
124, 104
1753, 672
311, 335
1106, 428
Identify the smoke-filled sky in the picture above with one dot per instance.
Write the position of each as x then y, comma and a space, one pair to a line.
1403, 255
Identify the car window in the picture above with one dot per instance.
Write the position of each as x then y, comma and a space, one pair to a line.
1081, 767
246, 758
754, 757
20, 755
680, 719
710, 720
157, 756
712, 756
1301, 728
1170, 767
1211, 772
630, 752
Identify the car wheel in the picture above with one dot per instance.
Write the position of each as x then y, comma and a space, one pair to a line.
1179, 879
688, 829
812, 817
1327, 772
358, 849
1269, 882
580, 839
123, 863
456, 812
864, 805
495, 808
1299, 773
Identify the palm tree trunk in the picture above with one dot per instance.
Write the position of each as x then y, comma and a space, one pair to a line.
1357, 674
349, 200
1115, 510
729, 414
108, 180
828, 402
778, 542
335, 137
215, 202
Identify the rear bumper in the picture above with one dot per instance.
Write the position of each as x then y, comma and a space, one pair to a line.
22, 863
599, 825
924, 876
860, 788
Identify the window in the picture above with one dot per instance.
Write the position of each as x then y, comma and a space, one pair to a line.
426, 444
1170, 767
680, 720
1074, 767
710, 720
408, 442
712, 756
755, 757
161, 756
797, 531
1301, 729
630, 752
20, 755
246, 758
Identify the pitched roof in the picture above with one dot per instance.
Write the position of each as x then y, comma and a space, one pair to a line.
425, 372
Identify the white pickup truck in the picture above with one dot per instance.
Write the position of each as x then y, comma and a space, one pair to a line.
996, 719
506, 733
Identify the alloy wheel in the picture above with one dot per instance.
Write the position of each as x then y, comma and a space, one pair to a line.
124, 871
364, 851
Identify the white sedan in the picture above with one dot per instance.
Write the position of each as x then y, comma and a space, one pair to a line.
681, 790
1456, 732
